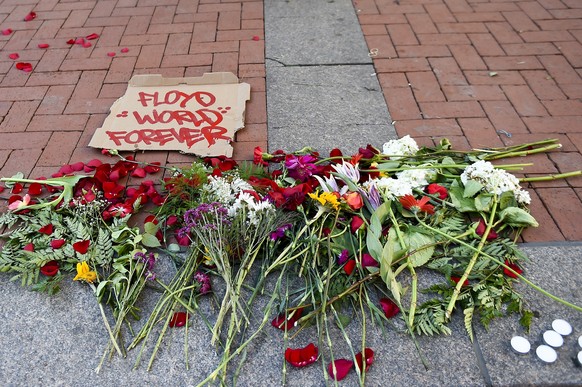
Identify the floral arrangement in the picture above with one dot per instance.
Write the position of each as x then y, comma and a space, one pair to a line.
355, 232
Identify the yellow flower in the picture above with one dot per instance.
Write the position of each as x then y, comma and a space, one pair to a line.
381, 174
328, 198
84, 273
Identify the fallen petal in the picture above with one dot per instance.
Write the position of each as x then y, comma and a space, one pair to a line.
50, 269
71, 41
66, 169
78, 166
111, 53
17, 188
256, 38
79, 41
138, 172
87, 44
29, 247
30, 16
7, 31
389, 307
81, 247
24, 66
92, 36
57, 243
342, 368
179, 319
302, 357
43, 45
35, 189
124, 50
369, 356
47, 230
14, 56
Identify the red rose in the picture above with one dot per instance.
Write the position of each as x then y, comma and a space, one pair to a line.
50, 269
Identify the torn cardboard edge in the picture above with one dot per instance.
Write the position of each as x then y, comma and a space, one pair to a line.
197, 115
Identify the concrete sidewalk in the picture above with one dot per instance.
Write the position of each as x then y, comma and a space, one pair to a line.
317, 86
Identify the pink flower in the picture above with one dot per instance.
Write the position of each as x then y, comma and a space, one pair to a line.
15, 205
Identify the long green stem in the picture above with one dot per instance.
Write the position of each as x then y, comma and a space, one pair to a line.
551, 177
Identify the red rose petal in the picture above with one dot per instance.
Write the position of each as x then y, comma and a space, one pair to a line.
50, 269
7, 31
24, 66
138, 172
152, 168
111, 53
515, 268
58, 243
256, 38
78, 166
30, 16
280, 322
2, 188
29, 247
124, 50
48, 229
17, 188
79, 41
35, 189
389, 307
350, 266
92, 36
43, 45
66, 169
14, 56
71, 41
81, 247
342, 368
369, 356
94, 163
179, 319
302, 357
87, 44
172, 219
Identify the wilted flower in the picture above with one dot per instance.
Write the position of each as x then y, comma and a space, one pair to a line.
204, 280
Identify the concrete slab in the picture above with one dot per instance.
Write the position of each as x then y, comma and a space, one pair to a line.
557, 270
304, 32
326, 107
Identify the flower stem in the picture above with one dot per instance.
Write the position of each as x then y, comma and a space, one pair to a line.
551, 177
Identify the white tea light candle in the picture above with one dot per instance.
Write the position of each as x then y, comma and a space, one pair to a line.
553, 339
546, 354
562, 327
520, 345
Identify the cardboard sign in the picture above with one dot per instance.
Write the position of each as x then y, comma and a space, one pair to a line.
194, 115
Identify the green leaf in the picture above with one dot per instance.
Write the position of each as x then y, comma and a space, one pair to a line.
471, 188
374, 245
150, 240
483, 202
388, 165
517, 217
151, 228
421, 242
343, 320
460, 202
469, 321
507, 199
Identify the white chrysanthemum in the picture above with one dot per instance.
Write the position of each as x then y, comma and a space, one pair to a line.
391, 188
218, 189
416, 178
405, 146
495, 180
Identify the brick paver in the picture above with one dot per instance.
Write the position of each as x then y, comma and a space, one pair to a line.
474, 71
48, 116
488, 73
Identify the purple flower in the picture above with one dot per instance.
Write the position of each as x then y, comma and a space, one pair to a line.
343, 257
204, 281
149, 262
280, 232
302, 167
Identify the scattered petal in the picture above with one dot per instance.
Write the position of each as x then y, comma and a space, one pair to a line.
30, 16
78, 166
71, 41
50, 269
79, 41
7, 31
48, 229
35, 189
350, 266
138, 172
256, 38
81, 247
92, 36
435, 188
179, 319
111, 53
16, 202
152, 167
356, 223
17, 188
14, 56
389, 307
302, 357
66, 169
24, 66
87, 44
43, 45
457, 279
285, 324
368, 355
94, 163
342, 368
29, 247
57, 243
124, 50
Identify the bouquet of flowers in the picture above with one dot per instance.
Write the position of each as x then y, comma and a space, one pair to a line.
356, 233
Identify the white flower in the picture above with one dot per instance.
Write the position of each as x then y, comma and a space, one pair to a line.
225, 189
390, 188
414, 177
405, 146
495, 180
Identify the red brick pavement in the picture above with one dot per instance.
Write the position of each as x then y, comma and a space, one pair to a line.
474, 70
48, 116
